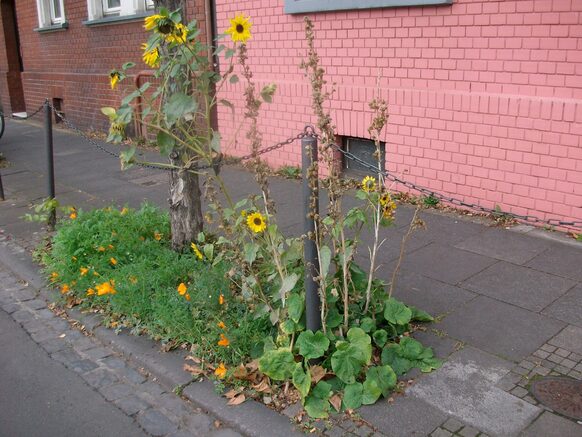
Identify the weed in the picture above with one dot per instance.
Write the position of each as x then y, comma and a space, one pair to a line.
289, 172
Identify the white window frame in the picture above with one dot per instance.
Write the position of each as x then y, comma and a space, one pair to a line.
46, 13
110, 11
97, 9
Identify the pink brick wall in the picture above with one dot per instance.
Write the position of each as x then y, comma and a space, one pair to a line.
485, 97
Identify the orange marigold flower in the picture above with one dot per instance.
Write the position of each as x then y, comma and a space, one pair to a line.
221, 325
220, 371
221, 299
90, 292
157, 236
65, 289
54, 276
100, 249
224, 342
182, 289
110, 246
83, 271
106, 288
187, 296
113, 261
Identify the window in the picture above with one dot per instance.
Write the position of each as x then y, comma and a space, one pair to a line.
111, 9
301, 6
364, 149
51, 13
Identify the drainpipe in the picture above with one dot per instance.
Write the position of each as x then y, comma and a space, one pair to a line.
211, 25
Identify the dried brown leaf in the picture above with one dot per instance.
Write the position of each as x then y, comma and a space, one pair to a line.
194, 370
317, 372
263, 387
193, 358
237, 400
336, 402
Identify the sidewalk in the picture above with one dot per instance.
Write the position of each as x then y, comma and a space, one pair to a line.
509, 302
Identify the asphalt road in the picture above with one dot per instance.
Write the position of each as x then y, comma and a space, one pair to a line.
39, 397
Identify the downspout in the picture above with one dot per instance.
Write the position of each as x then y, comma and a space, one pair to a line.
211, 25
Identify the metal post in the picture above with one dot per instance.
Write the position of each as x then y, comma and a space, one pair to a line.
48, 129
310, 212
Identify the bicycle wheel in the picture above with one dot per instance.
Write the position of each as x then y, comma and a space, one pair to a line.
1, 124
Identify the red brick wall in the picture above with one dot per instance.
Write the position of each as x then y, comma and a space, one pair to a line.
485, 96
73, 64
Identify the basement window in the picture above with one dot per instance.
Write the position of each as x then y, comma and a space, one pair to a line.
302, 6
364, 150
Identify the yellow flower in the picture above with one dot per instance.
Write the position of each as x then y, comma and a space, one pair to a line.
114, 77
182, 289
113, 261
196, 250
240, 28
224, 342
256, 222
95, 274
90, 292
83, 271
369, 184
187, 296
221, 325
151, 57
100, 249
243, 213
65, 289
385, 199
124, 211
106, 288
221, 299
178, 35
157, 236
73, 215
152, 21
54, 276
220, 371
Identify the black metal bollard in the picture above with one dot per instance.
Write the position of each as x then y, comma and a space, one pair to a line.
48, 129
310, 211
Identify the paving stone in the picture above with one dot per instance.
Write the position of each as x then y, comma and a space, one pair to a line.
83, 366
520, 392
430, 295
114, 363
561, 369
541, 354
570, 339
562, 352
548, 348
155, 423
116, 391
180, 433
549, 424
469, 432
464, 387
500, 328
198, 423
568, 307
100, 378
53, 345
130, 375
173, 405
541, 371
35, 304
559, 260
58, 324
575, 357
292, 410
406, 417
130, 405
362, 431
11, 308
520, 371
505, 245
569, 364
97, 353
45, 314
24, 295
519, 286
452, 424
441, 346
225, 432
453, 265
22, 316
82, 344
439, 432
34, 325
66, 356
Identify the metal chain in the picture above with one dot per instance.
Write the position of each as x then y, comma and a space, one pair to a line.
40, 108
453, 200
221, 160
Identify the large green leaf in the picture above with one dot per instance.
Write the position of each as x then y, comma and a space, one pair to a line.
396, 312
178, 106
420, 315
287, 284
353, 395
371, 392
367, 324
324, 260
277, 364
317, 403
295, 305
391, 357
410, 348
165, 143
384, 377
312, 345
333, 318
301, 380
362, 343
380, 337
346, 362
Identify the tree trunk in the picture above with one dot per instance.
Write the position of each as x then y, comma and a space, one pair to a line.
185, 207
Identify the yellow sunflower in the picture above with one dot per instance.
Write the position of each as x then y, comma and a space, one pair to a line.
151, 57
178, 35
369, 184
114, 78
240, 28
256, 222
196, 250
152, 21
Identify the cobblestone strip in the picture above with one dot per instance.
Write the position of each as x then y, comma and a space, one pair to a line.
158, 412
453, 427
549, 360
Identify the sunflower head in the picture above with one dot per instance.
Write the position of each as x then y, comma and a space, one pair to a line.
151, 57
369, 184
178, 34
153, 21
240, 28
114, 77
256, 222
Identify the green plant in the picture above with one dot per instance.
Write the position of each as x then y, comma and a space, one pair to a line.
289, 172
430, 201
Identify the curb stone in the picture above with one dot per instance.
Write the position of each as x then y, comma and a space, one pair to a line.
251, 418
